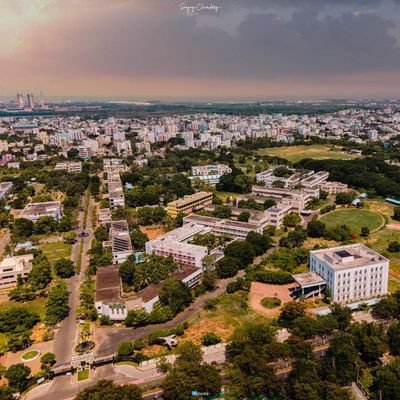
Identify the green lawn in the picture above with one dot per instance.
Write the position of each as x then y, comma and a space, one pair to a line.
29, 355
317, 152
354, 218
55, 251
37, 305
83, 374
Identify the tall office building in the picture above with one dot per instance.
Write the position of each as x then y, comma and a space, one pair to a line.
20, 100
31, 101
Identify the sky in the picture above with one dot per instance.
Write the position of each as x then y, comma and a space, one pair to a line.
220, 50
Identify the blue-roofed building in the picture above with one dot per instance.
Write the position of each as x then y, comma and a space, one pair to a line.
128, 186
356, 202
393, 201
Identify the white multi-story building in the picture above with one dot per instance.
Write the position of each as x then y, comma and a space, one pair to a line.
175, 244
115, 190
210, 173
352, 273
33, 211
13, 267
235, 229
69, 166
120, 241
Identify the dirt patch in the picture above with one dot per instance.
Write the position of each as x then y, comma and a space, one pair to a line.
196, 331
38, 332
152, 232
260, 290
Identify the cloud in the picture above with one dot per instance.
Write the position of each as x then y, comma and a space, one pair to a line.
153, 40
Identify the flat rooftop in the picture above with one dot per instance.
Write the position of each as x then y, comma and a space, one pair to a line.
189, 199
44, 208
349, 256
308, 279
108, 284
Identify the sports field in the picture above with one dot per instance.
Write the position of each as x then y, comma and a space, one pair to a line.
317, 152
355, 219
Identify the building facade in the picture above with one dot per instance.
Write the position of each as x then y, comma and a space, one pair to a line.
352, 272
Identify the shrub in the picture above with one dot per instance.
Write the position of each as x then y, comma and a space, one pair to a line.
210, 339
274, 277
125, 349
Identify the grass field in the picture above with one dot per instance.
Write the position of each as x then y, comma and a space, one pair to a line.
37, 305
83, 374
55, 251
29, 355
354, 218
297, 153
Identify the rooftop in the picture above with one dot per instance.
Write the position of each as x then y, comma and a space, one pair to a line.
189, 199
308, 279
349, 256
108, 284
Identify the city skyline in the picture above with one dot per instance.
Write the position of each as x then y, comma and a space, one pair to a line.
221, 51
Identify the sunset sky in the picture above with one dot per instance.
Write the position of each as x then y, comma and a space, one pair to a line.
237, 50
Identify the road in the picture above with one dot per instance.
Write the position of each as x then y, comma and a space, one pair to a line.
66, 338
67, 387
5, 240
107, 339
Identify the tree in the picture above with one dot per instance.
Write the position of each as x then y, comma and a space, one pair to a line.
323, 195
242, 250
48, 360
127, 270
345, 198
6, 393
210, 339
292, 219
342, 358
136, 318
45, 224
17, 319
57, 306
22, 228
108, 390
290, 312
342, 316
175, 294
102, 233
244, 216
17, 376
222, 212
268, 203
315, 228
386, 382
64, 268
394, 247
364, 231
189, 373
393, 335
227, 267
138, 239
125, 349
396, 213
259, 242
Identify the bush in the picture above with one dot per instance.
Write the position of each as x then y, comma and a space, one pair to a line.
210, 339
138, 344
211, 304
125, 349
394, 247
271, 302
105, 320
274, 277
160, 315
64, 268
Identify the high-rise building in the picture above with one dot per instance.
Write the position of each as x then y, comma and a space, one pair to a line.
20, 100
31, 101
